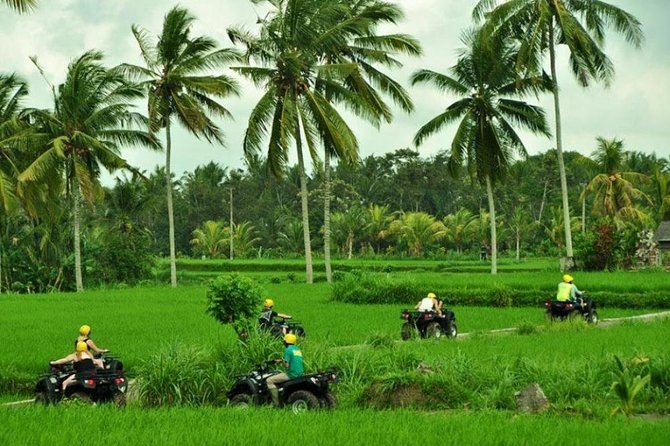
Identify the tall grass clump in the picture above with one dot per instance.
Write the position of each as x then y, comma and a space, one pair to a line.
178, 375
370, 288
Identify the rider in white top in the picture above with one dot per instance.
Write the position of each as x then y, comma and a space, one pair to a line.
428, 303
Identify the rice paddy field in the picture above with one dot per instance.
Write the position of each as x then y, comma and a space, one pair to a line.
467, 396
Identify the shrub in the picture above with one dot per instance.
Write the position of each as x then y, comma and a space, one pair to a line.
233, 297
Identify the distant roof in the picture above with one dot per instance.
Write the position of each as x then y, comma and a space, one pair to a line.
663, 232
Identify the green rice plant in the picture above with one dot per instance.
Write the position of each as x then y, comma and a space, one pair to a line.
177, 375
501, 295
527, 328
379, 339
627, 386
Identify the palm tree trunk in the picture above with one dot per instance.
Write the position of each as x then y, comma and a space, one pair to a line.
350, 242
326, 216
544, 198
518, 243
170, 207
559, 150
305, 208
492, 216
77, 239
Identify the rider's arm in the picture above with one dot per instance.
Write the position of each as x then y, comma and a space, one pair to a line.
283, 316
95, 348
69, 358
416, 307
287, 358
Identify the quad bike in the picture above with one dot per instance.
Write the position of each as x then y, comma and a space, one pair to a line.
281, 326
307, 392
91, 384
428, 324
562, 310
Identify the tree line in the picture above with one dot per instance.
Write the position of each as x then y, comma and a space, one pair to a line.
312, 59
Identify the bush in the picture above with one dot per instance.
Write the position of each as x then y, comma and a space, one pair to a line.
232, 298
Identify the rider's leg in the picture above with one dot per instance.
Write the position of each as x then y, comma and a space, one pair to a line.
272, 386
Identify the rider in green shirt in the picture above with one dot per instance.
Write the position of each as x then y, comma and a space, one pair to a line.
293, 363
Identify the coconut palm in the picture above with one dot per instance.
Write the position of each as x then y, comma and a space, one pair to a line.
460, 227
180, 88
21, 6
211, 239
614, 191
378, 219
350, 225
486, 139
366, 52
244, 237
83, 134
302, 79
519, 224
580, 25
12, 92
418, 230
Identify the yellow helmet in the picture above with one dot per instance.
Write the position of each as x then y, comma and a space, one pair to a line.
431, 296
567, 278
290, 338
268, 303
81, 347
84, 330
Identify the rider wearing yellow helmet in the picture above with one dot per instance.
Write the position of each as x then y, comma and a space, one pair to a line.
567, 290
429, 303
292, 361
82, 361
267, 317
84, 336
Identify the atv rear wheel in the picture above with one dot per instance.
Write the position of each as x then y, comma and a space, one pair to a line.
119, 400
406, 331
302, 401
328, 401
433, 330
241, 401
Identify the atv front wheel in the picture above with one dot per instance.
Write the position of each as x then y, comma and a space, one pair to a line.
302, 401
592, 317
452, 330
42, 398
328, 401
241, 401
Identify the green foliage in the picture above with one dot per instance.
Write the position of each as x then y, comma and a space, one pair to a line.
375, 289
177, 375
233, 297
502, 295
627, 386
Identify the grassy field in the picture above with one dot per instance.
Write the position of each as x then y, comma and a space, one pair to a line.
572, 362
104, 425
136, 322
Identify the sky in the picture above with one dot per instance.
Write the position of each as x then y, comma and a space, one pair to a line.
635, 108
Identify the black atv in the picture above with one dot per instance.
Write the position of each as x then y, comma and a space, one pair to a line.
281, 326
91, 384
307, 392
562, 310
428, 324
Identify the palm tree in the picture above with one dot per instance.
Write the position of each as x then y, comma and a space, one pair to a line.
614, 191
366, 51
540, 25
12, 92
211, 238
244, 236
303, 77
347, 227
485, 79
555, 225
21, 6
82, 134
378, 219
519, 224
418, 229
178, 86
460, 227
